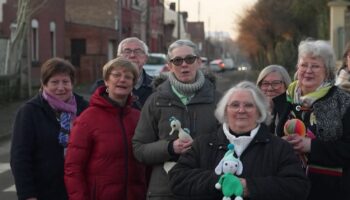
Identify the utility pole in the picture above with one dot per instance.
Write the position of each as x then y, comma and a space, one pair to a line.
178, 20
120, 24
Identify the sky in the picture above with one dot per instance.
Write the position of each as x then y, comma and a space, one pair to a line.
218, 15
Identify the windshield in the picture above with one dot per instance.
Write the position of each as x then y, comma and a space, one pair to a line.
154, 60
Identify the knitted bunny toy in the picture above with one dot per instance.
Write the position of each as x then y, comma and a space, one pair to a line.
228, 182
183, 134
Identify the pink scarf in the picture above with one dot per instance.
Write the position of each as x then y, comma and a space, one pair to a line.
69, 107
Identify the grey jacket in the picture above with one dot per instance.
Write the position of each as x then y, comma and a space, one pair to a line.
151, 140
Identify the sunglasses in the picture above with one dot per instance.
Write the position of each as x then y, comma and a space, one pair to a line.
189, 59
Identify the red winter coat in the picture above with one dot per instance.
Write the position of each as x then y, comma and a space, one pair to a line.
99, 162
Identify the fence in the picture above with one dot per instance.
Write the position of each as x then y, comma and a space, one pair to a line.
9, 87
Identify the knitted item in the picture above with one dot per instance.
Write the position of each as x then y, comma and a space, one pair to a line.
187, 89
65, 122
343, 80
294, 126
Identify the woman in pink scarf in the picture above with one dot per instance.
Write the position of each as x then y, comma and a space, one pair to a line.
41, 131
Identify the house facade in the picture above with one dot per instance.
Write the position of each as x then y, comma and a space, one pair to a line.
84, 32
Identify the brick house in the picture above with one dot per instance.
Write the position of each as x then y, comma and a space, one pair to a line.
84, 32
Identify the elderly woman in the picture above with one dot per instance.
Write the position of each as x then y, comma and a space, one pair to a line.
40, 133
99, 162
271, 169
186, 95
273, 81
343, 74
324, 109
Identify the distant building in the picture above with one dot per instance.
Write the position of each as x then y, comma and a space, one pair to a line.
174, 25
84, 32
197, 34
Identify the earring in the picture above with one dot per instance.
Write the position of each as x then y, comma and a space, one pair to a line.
107, 90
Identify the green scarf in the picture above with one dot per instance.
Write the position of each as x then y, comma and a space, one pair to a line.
294, 94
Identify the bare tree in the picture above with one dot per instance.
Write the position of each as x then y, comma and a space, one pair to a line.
14, 63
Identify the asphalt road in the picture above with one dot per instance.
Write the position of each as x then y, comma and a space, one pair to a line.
224, 81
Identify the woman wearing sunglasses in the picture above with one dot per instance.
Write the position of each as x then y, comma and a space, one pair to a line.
186, 95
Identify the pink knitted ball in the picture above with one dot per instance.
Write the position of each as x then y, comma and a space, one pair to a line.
294, 126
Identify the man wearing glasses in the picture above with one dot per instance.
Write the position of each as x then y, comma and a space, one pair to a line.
186, 95
136, 51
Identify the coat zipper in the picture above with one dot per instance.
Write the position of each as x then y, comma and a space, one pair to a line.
125, 141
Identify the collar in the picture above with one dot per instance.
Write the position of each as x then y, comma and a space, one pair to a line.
139, 80
263, 135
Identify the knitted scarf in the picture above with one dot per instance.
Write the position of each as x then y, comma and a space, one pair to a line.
187, 89
343, 80
67, 112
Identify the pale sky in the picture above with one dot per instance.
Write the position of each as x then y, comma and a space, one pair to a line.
218, 15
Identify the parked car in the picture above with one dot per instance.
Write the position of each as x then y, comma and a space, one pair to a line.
217, 65
205, 62
244, 67
229, 64
156, 64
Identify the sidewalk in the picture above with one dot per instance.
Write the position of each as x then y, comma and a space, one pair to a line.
7, 116
8, 112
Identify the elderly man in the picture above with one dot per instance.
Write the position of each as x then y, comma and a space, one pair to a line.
136, 51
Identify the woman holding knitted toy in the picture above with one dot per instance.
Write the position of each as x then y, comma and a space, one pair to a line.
325, 111
267, 167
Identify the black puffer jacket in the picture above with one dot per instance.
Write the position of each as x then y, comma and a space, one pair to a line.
270, 167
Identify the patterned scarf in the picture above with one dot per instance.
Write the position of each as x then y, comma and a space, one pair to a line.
302, 105
67, 112
294, 94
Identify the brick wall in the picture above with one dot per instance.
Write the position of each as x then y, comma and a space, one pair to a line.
100, 13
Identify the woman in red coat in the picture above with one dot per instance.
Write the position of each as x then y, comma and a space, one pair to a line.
99, 162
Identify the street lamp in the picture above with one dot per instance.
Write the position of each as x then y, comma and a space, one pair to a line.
120, 24
178, 20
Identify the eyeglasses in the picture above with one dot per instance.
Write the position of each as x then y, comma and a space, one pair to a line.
237, 106
118, 75
137, 52
274, 84
189, 59
313, 67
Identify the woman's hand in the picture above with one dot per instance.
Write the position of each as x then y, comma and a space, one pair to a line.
245, 189
181, 146
300, 144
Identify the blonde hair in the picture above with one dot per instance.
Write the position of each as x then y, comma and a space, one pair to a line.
120, 63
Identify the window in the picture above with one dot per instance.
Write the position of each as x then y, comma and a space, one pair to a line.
53, 38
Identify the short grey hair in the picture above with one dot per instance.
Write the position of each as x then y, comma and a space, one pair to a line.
179, 43
132, 39
274, 68
321, 49
259, 98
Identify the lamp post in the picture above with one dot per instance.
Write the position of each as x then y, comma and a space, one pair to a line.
178, 20
120, 24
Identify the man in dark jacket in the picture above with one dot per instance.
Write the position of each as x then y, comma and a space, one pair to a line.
136, 51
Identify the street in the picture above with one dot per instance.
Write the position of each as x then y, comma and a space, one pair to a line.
7, 189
